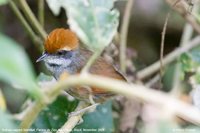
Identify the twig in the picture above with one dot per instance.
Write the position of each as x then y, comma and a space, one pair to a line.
152, 81
168, 58
98, 52
41, 12
36, 40
30, 115
92, 59
182, 8
31, 17
139, 92
163, 44
187, 34
163, 40
72, 121
123, 35
143, 94
128, 117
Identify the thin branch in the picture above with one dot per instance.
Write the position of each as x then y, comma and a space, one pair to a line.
182, 8
139, 92
163, 44
163, 40
36, 40
31, 114
41, 12
187, 34
72, 121
92, 59
152, 81
123, 35
143, 94
31, 17
168, 58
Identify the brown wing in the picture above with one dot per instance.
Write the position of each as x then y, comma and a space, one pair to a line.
100, 67
103, 68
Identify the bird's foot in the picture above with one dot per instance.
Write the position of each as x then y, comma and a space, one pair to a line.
86, 109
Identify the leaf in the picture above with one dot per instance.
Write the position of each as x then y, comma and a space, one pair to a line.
15, 67
94, 21
55, 115
8, 125
3, 2
187, 62
100, 120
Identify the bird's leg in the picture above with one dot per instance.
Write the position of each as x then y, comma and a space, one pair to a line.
83, 110
90, 108
92, 102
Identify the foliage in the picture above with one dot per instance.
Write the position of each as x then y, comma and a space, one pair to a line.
93, 121
14, 63
89, 17
2, 2
190, 64
55, 115
7, 122
95, 22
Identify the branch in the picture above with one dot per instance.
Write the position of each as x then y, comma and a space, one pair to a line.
163, 40
91, 60
186, 36
182, 8
163, 44
139, 92
123, 34
30, 115
36, 40
31, 17
72, 121
168, 58
41, 12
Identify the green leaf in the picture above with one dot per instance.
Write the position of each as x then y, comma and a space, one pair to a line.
55, 115
189, 64
15, 67
8, 125
94, 21
100, 120
3, 2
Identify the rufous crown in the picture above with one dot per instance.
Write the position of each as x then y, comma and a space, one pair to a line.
60, 39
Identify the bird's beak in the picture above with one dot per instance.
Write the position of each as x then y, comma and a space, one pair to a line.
41, 58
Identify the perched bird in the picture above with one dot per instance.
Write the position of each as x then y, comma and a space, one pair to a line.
63, 54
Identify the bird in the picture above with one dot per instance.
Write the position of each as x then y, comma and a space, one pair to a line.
63, 54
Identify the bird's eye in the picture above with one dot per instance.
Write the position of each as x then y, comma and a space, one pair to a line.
60, 52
